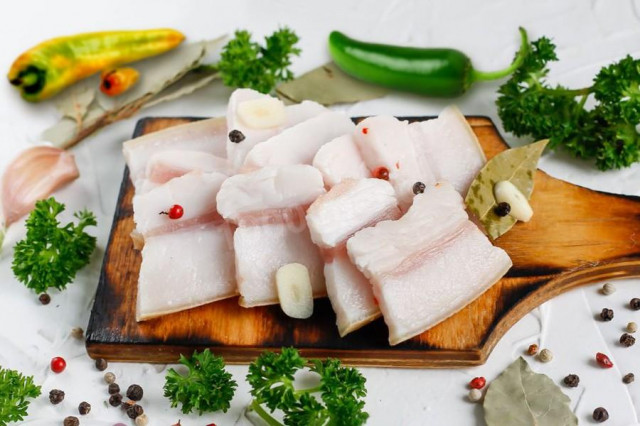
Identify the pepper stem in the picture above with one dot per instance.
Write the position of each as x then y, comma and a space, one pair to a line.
519, 59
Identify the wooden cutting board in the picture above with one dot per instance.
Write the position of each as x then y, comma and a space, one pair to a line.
577, 236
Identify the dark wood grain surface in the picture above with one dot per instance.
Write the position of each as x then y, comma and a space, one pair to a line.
576, 236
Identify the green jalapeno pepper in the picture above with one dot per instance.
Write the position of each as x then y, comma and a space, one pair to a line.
430, 71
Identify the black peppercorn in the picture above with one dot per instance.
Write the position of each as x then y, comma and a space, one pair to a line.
134, 393
502, 209
600, 415
84, 408
44, 298
134, 411
71, 421
236, 136
628, 378
606, 314
101, 364
114, 388
572, 380
627, 340
56, 396
418, 188
635, 304
115, 400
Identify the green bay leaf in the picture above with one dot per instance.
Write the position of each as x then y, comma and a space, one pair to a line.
328, 85
522, 397
516, 165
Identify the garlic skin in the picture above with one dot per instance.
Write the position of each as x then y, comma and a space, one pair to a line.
34, 175
506, 192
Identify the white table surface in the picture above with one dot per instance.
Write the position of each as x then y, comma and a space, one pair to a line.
589, 34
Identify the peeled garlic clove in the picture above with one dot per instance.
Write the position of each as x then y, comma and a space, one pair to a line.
34, 175
506, 192
262, 113
294, 290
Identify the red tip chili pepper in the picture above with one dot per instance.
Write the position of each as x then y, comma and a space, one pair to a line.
603, 360
58, 364
478, 383
381, 173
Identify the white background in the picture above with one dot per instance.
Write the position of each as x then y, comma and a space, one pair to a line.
589, 34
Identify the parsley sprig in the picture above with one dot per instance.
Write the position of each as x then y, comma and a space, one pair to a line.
15, 391
51, 254
606, 133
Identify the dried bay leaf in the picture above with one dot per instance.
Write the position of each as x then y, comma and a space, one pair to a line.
521, 397
328, 85
517, 165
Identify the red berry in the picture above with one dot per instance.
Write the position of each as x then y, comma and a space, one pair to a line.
365, 130
478, 383
176, 211
603, 360
381, 173
58, 364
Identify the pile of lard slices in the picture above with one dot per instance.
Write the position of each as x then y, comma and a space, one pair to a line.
274, 186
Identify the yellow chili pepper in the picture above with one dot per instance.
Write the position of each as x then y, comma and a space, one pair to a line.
116, 81
49, 67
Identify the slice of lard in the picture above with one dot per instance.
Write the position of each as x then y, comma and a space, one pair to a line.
294, 114
427, 265
298, 144
208, 136
386, 144
340, 159
332, 219
184, 269
269, 206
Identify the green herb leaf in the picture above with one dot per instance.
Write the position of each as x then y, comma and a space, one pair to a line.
207, 387
15, 391
328, 85
516, 165
51, 254
521, 397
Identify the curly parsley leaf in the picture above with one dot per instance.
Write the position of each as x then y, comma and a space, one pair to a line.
51, 254
245, 63
15, 391
207, 387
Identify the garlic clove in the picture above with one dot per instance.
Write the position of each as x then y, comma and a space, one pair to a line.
262, 113
34, 175
294, 290
506, 192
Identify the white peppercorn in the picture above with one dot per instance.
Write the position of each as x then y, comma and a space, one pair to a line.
475, 395
632, 327
608, 289
142, 420
545, 355
109, 378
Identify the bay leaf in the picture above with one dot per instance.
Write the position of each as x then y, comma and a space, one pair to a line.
191, 82
328, 85
521, 397
516, 165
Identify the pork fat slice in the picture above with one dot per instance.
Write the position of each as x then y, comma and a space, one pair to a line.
207, 136
298, 144
294, 114
427, 265
340, 159
332, 219
166, 165
268, 206
184, 269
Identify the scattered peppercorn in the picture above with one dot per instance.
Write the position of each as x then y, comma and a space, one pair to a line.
502, 209
533, 349
134, 392
606, 314
632, 327
545, 355
142, 420
101, 364
44, 298
628, 378
134, 411
56, 396
634, 304
115, 400
114, 388
475, 395
600, 415
478, 383
71, 421
84, 408
608, 289
572, 380
77, 333
365, 130
627, 340
236, 136
381, 173
58, 364
109, 378
603, 360
418, 188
